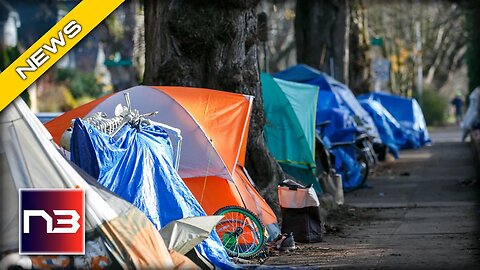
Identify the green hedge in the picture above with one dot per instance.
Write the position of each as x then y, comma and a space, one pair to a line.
435, 108
80, 84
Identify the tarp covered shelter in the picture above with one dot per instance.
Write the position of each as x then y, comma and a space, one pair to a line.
29, 159
214, 127
344, 97
337, 104
388, 128
290, 110
408, 113
342, 124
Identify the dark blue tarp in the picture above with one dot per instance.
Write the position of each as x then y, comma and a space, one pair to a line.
137, 165
344, 98
341, 129
385, 125
408, 114
345, 165
349, 168
327, 100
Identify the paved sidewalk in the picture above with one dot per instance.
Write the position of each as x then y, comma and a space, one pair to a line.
420, 212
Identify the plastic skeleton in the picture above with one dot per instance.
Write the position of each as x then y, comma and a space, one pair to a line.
125, 115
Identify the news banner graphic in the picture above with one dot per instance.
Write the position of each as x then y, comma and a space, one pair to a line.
52, 46
51, 221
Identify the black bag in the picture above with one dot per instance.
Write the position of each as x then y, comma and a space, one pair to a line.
300, 212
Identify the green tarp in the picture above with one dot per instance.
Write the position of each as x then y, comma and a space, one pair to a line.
290, 110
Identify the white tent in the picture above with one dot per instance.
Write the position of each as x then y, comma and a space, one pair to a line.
29, 159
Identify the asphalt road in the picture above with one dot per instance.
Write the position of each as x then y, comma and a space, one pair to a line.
420, 212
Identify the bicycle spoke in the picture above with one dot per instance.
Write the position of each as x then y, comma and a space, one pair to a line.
245, 232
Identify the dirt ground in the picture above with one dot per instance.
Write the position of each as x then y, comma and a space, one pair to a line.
418, 212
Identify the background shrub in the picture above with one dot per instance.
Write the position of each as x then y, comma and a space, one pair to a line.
435, 108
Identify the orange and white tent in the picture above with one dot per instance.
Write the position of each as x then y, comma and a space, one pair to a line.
214, 127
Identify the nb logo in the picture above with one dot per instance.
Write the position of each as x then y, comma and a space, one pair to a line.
51, 221
72, 221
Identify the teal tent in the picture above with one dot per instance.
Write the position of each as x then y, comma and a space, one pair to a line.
290, 110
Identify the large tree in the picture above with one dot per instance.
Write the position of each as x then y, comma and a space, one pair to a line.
212, 44
119, 43
359, 45
322, 35
281, 38
473, 41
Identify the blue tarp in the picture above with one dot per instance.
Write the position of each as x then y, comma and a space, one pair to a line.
350, 169
341, 128
327, 100
137, 166
345, 164
385, 125
408, 114
344, 98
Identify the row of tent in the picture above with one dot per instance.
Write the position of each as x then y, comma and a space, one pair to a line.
211, 174
300, 97
211, 171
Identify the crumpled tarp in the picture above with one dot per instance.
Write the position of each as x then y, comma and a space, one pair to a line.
345, 164
341, 128
387, 126
344, 98
408, 114
137, 165
348, 167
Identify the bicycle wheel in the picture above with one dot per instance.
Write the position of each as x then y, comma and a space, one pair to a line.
241, 232
364, 169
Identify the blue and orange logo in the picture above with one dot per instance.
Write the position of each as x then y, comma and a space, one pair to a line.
52, 222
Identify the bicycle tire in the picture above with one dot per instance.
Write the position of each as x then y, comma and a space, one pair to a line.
366, 169
238, 217
372, 153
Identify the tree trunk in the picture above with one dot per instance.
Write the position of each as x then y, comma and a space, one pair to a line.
322, 34
473, 41
360, 60
123, 76
212, 44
